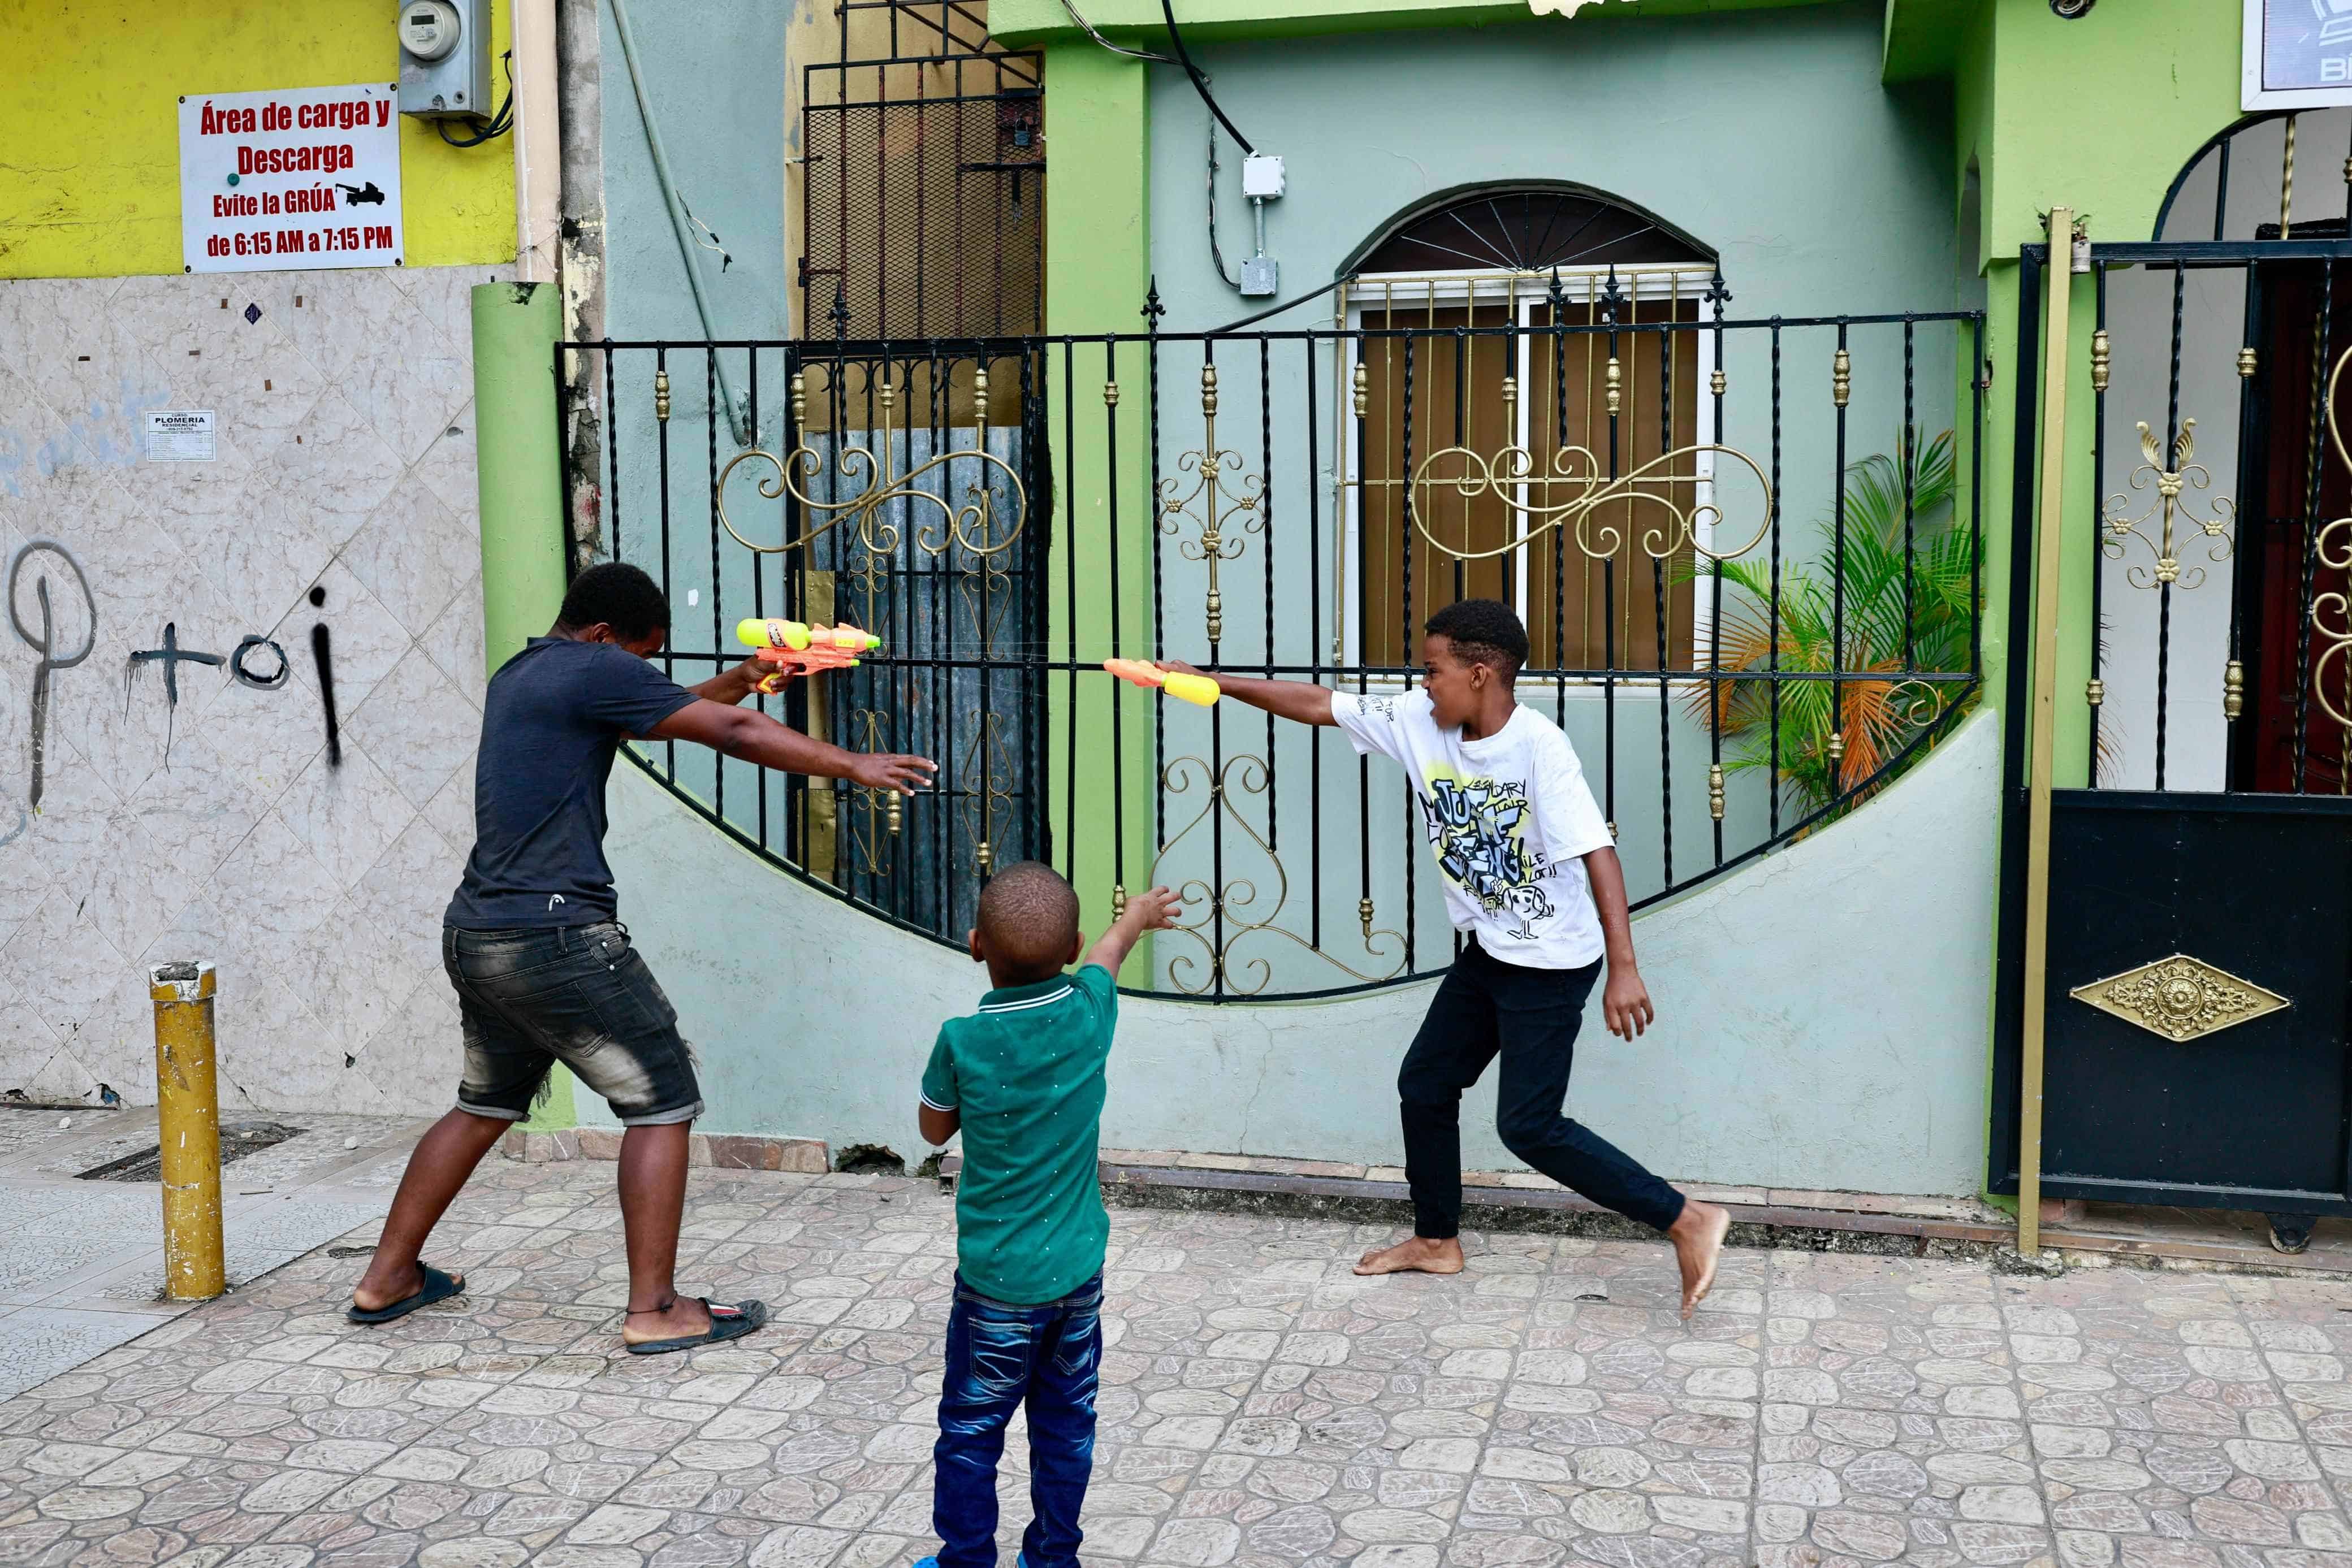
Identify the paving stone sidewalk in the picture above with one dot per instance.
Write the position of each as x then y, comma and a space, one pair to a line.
1260, 1407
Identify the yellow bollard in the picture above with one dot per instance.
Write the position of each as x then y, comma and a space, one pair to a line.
187, 1101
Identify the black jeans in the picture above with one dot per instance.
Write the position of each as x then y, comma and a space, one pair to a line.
1485, 1008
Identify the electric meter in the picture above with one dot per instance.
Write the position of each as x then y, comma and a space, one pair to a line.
430, 29
445, 58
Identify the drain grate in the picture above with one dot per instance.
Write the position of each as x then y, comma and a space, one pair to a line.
236, 1141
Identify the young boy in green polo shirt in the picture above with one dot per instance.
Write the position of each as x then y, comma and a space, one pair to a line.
1022, 1079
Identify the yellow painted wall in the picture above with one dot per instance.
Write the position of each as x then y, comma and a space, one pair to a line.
90, 185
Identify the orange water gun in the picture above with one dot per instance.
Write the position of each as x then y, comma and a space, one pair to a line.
1199, 690
797, 649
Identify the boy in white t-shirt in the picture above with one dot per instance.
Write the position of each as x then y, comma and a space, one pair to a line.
1532, 882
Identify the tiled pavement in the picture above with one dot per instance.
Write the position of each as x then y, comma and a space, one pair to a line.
81, 1262
1260, 1407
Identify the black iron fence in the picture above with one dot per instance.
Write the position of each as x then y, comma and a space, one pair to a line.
1748, 553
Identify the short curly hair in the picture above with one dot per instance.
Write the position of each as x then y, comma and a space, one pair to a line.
1028, 919
618, 595
1483, 631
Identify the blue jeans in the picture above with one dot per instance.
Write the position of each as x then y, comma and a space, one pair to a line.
999, 1358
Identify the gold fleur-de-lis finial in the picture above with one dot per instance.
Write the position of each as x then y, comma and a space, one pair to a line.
2171, 479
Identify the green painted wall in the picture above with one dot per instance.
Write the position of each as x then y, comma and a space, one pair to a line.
1037, 21
1098, 268
1768, 136
1841, 1084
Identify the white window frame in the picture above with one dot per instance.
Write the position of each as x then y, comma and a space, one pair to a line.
2253, 95
1531, 293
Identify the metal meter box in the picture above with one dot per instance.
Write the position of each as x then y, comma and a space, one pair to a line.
445, 58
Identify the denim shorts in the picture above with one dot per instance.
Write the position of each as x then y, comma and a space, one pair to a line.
575, 994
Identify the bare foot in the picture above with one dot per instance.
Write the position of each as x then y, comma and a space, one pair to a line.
682, 1319
1697, 1237
1415, 1254
373, 1294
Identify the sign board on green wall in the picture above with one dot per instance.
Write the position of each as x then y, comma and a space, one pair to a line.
2297, 54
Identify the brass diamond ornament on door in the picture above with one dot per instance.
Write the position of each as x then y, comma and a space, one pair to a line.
2180, 998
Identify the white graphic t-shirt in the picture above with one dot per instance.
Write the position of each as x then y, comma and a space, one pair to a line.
1509, 817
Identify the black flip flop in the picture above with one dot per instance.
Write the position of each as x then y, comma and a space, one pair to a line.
725, 1324
438, 1287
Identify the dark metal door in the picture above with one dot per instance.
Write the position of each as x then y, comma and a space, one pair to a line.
2199, 959
2196, 1004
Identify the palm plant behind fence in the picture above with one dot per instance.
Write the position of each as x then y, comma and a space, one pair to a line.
1902, 609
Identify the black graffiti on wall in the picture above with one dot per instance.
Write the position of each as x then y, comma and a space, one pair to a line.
170, 655
44, 642
319, 651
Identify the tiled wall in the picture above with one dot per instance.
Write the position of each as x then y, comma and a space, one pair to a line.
219, 828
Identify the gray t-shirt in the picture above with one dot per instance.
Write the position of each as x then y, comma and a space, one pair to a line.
554, 716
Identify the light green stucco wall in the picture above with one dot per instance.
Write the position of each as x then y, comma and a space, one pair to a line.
1791, 1062
1766, 135
1035, 21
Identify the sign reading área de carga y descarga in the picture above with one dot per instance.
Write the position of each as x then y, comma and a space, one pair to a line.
280, 180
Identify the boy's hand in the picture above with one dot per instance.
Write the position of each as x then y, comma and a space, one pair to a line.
1625, 1003
1156, 910
889, 770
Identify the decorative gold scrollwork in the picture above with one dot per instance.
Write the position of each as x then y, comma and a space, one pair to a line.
973, 524
2180, 998
1507, 472
1238, 899
2332, 548
873, 727
2170, 484
986, 780
1223, 500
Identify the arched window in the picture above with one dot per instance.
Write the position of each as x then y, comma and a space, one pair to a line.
1526, 227
1478, 308
2271, 176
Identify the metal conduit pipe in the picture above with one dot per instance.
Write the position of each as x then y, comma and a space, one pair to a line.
538, 150
675, 206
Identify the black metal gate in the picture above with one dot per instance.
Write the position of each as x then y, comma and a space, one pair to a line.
923, 177
2199, 956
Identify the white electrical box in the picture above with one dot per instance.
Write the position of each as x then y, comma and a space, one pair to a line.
1262, 176
445, 58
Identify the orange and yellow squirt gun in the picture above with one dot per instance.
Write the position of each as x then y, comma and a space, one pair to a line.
1199, 690
795, 649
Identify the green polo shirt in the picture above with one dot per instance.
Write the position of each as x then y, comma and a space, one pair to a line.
1026, 1072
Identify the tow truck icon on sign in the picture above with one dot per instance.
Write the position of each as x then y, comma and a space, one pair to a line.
368, 196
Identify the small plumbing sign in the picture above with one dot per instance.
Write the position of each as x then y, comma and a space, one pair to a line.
272, 181
2297, 54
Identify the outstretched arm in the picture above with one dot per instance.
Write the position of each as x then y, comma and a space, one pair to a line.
753, 737
1284, 699
731, 686
1626, 1000
1153, 910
